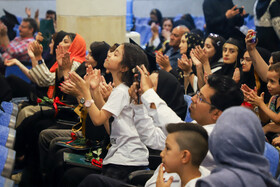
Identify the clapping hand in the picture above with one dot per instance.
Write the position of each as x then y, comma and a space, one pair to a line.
163, 61
185, 64
105, 89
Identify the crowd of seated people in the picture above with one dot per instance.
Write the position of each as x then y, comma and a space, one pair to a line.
98, 116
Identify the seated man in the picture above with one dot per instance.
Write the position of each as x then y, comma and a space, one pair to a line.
17, 48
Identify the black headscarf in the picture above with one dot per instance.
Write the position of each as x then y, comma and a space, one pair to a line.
261, 7
193, 40
158, 14
10, 20
170, 90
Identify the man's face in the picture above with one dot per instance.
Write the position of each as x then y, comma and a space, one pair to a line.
175, 37
25, 30
200, 108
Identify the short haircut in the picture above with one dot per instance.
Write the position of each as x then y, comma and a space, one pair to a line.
275, 57
227, 92
51, 12
276, 68
191, 137
32, 24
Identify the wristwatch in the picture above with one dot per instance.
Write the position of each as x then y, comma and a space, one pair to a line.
82, 100
40, 61
88, 103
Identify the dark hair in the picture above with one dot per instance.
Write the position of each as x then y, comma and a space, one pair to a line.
166, 19
71, 36
227, 92
99, 53
189, 19
32, 24
158, 14
193, 40
133, 55
218, 42
275, 67
275, 56
191, 137
114, 47
51, 12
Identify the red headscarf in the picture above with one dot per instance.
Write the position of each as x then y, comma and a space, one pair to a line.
77, 50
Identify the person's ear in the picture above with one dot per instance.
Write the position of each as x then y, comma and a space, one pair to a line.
216, 114
186, 157
124, 69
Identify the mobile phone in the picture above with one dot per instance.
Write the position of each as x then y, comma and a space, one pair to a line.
240, 10
135, 71
253, 37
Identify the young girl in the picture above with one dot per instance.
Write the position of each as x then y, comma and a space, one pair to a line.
127, 152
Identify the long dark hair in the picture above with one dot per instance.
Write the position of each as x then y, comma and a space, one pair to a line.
133, 55
218, 42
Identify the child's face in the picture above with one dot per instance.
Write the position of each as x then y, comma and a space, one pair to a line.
273, 82
230, 53
171, 155
114, 59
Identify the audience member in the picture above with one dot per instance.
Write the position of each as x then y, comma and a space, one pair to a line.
237, 144
267, 15
222, 17
168, 59
155, 17
17, 48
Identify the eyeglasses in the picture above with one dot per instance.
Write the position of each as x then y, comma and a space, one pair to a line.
200, 99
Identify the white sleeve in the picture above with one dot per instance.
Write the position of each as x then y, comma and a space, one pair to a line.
165, 115
152, 136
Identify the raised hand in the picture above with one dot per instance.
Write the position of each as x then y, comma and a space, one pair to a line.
163, 61
70, 88
160, 180
185, 64
232, 12
66, 63
92, 78
236, 75
248, 40
145, 82
28, 12
200, 54
60, 51
195, 61
39, 37
105, 89
79, 83
37, 49
36, 16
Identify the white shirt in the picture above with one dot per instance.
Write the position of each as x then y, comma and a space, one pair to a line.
127, 148
176, 179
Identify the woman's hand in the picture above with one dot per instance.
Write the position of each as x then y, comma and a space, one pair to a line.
163, 61
79, 83
185, 64
92, 78
105, 89
236, 75
37, 49
60, 51
39, 37
195, 61
11, 62
200, 54
70, 88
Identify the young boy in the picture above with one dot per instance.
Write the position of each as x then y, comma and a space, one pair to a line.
185, 148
